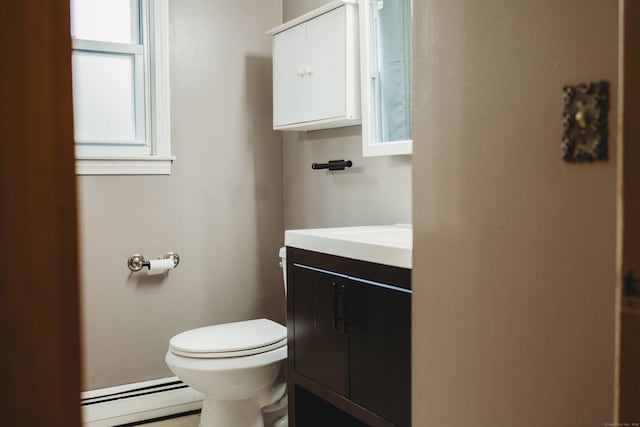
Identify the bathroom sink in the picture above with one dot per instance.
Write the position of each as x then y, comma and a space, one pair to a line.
382, 244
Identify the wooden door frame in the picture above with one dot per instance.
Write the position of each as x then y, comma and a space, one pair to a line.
627, 369
39, 304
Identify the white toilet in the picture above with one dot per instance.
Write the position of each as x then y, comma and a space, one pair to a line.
237, 366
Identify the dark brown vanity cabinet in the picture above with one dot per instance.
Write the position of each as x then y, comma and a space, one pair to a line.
349, 330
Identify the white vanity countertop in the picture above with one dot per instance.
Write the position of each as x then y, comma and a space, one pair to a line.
382, 244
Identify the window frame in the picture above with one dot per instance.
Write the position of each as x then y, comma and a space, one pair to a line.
150, 153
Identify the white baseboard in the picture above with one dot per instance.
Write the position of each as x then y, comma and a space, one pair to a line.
136, 402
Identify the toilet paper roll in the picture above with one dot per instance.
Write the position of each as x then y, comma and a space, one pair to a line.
159, 266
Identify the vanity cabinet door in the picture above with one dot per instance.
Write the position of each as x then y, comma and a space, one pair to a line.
380, 350
321, 346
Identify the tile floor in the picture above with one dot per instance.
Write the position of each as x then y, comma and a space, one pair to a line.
186, 421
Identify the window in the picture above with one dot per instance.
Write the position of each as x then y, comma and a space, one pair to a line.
121, 86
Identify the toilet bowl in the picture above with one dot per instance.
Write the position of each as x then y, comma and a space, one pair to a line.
238, 366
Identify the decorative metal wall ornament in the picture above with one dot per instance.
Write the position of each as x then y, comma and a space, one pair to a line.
585, 136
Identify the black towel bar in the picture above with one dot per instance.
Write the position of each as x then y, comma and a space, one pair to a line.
333, 165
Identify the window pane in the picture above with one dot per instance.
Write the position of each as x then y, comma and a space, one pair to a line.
391, 59
105, 20
103, 96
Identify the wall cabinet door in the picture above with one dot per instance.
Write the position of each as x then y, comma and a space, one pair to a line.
289, 84
326, 56
316, 66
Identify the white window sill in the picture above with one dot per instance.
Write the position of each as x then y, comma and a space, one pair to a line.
117, 165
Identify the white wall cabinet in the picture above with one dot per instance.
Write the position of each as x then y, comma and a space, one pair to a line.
316, 69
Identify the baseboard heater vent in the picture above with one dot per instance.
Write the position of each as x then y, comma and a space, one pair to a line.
131, 403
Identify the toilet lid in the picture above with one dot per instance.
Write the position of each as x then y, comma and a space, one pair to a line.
230, 339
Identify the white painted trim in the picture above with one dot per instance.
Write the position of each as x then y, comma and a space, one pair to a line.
352, 61
161, 103
332, 122
140, 75
136, 13
143, 127
310, 15
388, 148
113, 165
108, 47
139, 408
126, 143
370, 149
101, 150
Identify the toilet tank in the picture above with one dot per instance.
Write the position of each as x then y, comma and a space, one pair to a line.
283, 264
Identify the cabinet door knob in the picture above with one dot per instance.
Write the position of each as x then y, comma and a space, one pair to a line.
307, 70
300, 72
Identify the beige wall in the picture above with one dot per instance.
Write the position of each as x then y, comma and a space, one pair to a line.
373, 191
221, 209
514, 268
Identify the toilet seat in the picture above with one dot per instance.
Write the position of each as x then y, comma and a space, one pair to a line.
235, 339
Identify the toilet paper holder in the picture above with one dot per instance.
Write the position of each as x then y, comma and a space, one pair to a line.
137, 261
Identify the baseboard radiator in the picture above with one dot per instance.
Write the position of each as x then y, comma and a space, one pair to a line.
131, 403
